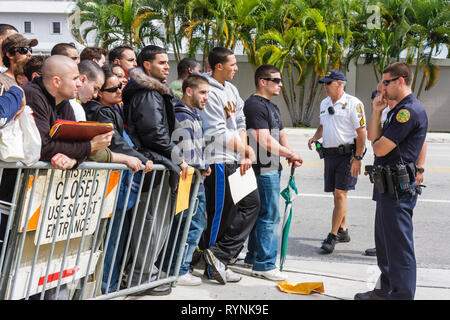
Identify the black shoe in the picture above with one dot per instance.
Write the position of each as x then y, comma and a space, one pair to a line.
369, 295
372, 252
215, 267
198, 260
342, 236
329, 243
162, 290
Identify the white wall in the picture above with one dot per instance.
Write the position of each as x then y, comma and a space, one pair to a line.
41, 28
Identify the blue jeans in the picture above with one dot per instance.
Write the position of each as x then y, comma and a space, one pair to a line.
198, 224
263, 240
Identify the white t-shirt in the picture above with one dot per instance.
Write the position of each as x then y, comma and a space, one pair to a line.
78, 109
340, 127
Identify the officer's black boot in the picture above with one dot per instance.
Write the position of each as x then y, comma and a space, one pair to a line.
342, 236
329, 243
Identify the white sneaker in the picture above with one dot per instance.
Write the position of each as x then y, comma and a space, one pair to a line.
232, 276
189, 279
274, 275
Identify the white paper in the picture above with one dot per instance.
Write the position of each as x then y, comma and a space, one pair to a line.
241, 186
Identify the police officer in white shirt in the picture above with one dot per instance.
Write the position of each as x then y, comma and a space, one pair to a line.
343, 129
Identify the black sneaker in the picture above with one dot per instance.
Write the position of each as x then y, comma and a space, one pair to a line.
198, 260
216, 267
329, 243
370, 295
342, 236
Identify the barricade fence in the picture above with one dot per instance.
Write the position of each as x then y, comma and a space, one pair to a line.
95, 232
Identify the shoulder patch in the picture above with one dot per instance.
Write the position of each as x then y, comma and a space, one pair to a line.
403, 116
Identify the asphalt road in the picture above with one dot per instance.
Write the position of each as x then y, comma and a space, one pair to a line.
313, 207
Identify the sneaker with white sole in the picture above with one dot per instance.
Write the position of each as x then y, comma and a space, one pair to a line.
274, 275
189, 279
232, 276
215, 267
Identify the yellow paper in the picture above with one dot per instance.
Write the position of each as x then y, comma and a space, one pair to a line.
300, 288
184, 188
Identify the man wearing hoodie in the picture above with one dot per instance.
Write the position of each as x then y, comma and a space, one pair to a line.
150, 119
228, 224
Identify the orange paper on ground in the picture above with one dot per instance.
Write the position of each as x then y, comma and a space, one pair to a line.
300, 288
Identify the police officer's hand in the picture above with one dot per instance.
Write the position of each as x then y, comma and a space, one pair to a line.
379, 103
356, 168
419, 178
310, 142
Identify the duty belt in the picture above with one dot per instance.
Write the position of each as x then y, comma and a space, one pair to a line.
393, 180
343, 149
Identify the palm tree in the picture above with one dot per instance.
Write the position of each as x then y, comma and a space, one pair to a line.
92, 17
429, 29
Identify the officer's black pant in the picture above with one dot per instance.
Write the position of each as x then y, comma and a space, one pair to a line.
395, 245
228, 224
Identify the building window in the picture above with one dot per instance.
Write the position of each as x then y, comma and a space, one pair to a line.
27, 26
56, 27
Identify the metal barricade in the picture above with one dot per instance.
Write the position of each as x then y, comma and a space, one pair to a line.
75, 234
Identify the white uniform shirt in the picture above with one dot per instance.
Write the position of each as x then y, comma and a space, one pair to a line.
78, 110
340, 127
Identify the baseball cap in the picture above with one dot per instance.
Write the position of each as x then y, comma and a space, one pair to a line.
374, 94
17, 41
333, 75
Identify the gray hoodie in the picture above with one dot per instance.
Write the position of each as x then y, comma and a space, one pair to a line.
223, 117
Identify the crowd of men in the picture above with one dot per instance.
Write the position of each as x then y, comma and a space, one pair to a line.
201, 121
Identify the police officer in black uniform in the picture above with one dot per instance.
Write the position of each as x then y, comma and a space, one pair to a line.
396, 153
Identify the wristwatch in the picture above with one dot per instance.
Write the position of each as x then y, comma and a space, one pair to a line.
358, 157
421, 170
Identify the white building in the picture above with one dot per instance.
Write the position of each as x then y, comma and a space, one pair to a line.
46, 21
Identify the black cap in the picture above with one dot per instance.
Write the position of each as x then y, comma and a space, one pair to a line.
333, 75
374, 94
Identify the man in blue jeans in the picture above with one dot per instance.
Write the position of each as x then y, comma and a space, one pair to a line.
267, 136
188, 135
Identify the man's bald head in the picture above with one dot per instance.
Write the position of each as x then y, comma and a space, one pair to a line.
61, 77
57, 65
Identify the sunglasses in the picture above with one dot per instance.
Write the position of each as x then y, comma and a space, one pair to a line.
113, 89
23, 50
386, 82
331, 110
276, 80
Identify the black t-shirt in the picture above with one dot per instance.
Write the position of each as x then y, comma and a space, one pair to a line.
261, 113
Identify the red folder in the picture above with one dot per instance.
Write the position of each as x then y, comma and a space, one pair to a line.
78, 130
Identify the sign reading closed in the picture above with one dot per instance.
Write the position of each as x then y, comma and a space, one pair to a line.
72, 210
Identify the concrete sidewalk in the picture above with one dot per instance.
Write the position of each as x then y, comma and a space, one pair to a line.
341, 282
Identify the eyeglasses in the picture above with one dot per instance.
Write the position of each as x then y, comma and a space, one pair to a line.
23, 50
386, 82
331, 110
276, 80
113, 89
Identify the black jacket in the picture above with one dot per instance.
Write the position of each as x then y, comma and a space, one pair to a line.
105, 114
150, 119
46, 112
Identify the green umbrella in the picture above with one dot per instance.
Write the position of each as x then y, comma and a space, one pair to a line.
288, 197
